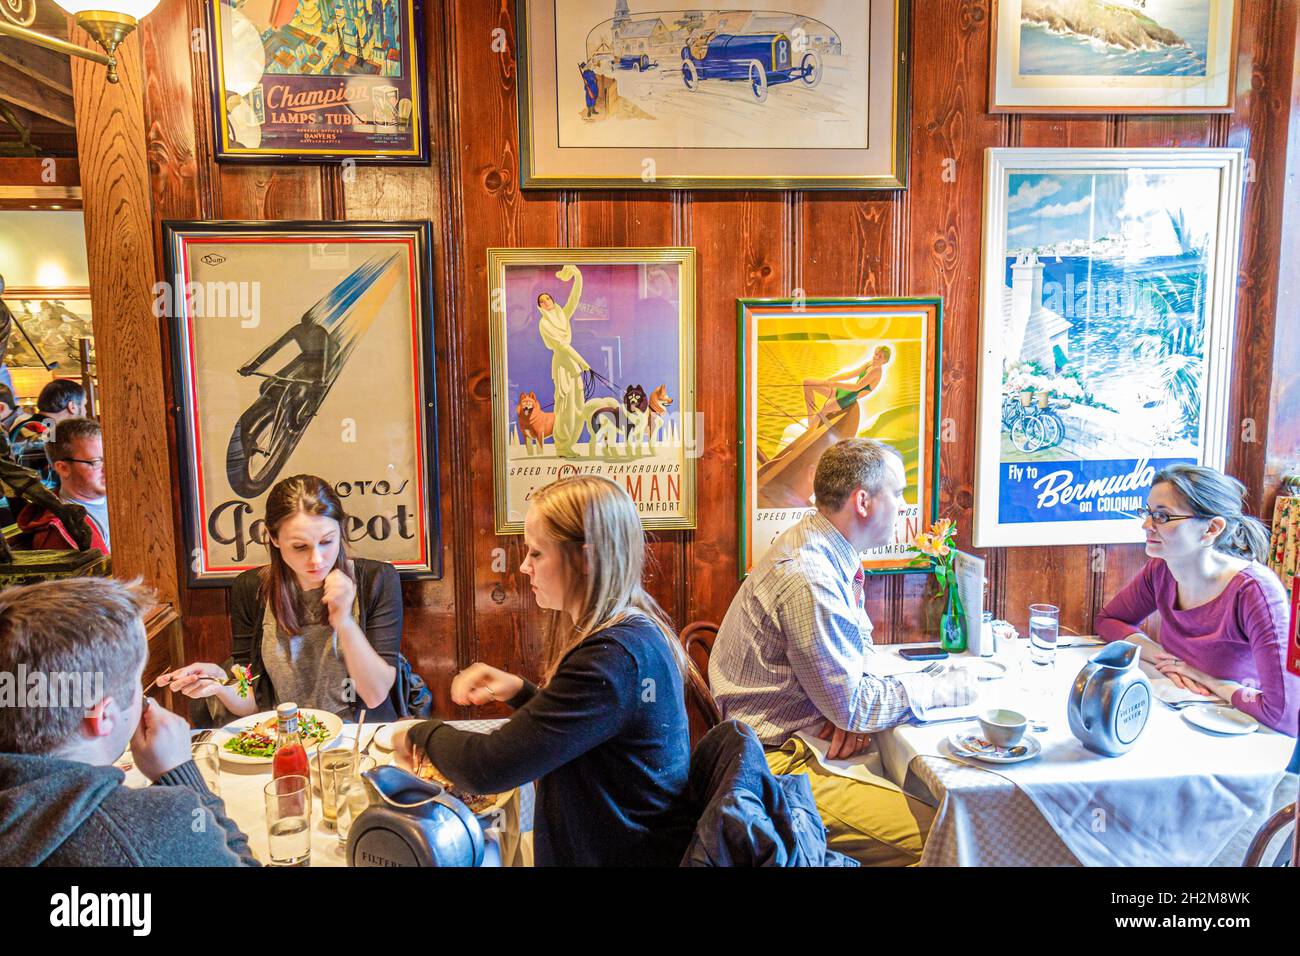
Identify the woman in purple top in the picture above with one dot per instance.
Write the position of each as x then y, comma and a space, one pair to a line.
1224, 616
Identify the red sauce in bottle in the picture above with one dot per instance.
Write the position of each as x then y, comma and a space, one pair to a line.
290, 755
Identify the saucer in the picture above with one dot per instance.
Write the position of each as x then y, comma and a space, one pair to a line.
973, 745
983, 668
1220, 720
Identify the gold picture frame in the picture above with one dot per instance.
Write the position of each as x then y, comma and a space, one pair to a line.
603, 383
702, 98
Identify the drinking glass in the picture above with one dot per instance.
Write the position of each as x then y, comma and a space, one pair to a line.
288, 820
351, 796
336, 763
208, 759
1044, 622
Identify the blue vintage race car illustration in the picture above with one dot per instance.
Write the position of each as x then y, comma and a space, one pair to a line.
639, 63
762, 59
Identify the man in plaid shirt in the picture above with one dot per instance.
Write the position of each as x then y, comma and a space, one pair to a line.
792, 652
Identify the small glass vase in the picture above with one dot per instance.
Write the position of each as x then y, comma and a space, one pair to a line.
952, 628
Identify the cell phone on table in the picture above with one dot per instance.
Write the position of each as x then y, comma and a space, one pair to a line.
922, 652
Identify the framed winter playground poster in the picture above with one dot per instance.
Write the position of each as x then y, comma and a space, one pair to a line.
812, 372
309, 80
1113, 56
593, 372
328, 374
643, 94
1106, 324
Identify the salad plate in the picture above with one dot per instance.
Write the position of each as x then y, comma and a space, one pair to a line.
251, 739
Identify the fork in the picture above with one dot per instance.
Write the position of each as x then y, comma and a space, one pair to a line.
202, 737
1184, 704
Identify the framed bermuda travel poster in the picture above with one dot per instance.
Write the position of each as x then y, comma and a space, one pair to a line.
318, 79
1109, 286
815, 371
593, 372
303, 348
642, 94
1113, 56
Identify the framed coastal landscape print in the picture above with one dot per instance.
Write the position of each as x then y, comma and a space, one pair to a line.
642, 94
330, 374
812, 372
1113, 56
593, 372
309, 80
1106, 324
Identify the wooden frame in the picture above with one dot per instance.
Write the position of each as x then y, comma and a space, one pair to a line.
642, 311
1089, 92
412, 147
1114, 359
378, 304
866, 324
547, 161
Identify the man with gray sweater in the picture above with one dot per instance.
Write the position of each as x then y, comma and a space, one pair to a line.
72, 656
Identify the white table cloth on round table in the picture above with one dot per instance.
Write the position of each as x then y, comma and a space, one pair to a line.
241, 790
1180, 797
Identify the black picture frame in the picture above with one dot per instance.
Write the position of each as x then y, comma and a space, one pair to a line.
417, 155
178, 311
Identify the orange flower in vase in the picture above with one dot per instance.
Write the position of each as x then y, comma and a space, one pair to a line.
938, 550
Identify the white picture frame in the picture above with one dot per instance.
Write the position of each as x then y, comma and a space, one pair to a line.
1123, 364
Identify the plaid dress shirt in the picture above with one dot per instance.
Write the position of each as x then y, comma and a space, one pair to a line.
791, 651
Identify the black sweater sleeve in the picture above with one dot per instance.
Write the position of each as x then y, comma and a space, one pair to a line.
384, 612
586, 703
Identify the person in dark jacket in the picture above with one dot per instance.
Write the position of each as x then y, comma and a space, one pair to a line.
77, 647
313, 626
748, 815
75, 452
606, 735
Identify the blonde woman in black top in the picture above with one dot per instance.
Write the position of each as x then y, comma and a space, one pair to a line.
606, 734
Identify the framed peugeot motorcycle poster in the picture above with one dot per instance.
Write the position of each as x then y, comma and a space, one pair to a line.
812, 372
642, 94
593, 372
303, 348
318, 79
1108, 297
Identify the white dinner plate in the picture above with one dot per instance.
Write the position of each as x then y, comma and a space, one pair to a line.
384, 735
983, 669
333, 723
967, 744
1220, 720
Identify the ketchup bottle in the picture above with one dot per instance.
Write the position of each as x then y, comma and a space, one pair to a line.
290, 755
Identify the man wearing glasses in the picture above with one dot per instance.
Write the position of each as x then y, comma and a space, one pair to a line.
76, 453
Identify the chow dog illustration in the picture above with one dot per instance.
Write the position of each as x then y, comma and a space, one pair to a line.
536, 424
602, 423
659, 402
636, 410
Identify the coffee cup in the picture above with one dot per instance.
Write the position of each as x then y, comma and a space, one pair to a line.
1003, 728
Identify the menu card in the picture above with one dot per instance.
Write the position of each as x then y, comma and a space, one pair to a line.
970, 588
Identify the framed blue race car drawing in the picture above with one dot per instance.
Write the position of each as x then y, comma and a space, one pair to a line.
808, 94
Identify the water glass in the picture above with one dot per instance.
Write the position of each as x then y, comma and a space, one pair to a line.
352, 799
1044, 623
288, 820
207, 758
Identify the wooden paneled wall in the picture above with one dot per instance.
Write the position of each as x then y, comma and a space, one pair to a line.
919, 241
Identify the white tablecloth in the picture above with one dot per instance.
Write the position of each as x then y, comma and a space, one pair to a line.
242, 785
1179, 797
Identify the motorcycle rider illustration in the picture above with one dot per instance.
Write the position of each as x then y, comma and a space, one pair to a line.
310, 369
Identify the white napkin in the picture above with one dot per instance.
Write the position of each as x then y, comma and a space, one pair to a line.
865, 767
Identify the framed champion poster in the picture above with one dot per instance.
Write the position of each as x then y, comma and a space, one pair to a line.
330, 374
318, 79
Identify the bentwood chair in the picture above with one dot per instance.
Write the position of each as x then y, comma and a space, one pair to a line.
697, 639
1264, 838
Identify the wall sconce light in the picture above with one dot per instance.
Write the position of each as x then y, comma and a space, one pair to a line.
108, 21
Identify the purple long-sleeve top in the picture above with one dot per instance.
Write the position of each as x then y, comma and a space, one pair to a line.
1239, 636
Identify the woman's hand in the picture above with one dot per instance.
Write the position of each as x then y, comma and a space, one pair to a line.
1184, 675
340, 592
481, 684
191, 680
